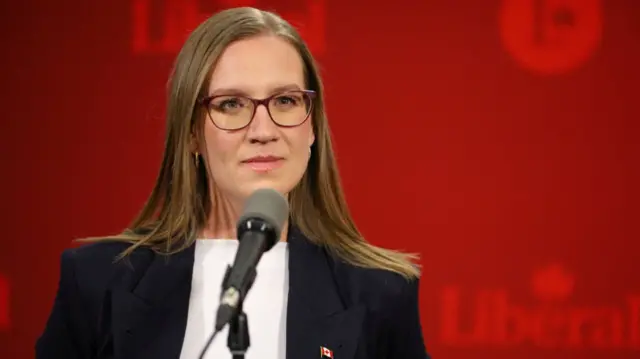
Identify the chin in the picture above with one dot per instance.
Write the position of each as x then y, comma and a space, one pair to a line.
276, 185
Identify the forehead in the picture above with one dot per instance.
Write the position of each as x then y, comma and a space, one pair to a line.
258, 65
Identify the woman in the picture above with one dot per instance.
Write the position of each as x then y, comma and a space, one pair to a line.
245, 112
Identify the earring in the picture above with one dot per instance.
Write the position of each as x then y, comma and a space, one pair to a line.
309, 151
196, 157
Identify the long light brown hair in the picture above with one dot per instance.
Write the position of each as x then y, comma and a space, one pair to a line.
180, 203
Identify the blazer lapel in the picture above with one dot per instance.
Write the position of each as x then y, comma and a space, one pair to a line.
149, 306
317, 316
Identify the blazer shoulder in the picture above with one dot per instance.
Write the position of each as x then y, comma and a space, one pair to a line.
96, 251
104, 253
378, 287
86, 272
94, 264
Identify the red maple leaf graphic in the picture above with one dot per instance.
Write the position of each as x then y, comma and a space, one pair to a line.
552, 283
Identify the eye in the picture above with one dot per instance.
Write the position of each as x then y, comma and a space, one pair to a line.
228, 104
288, 100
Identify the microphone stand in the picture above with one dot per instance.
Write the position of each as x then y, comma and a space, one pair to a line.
238, 340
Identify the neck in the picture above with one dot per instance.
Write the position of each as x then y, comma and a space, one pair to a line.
230, 233
224, 217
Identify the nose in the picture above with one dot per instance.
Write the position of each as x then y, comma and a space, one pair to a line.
262, 129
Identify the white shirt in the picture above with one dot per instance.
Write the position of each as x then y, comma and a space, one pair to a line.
265, 304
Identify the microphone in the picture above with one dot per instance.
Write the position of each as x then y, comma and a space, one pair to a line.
258, 228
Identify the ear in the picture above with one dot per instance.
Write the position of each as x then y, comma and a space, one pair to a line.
193, 143
312, 137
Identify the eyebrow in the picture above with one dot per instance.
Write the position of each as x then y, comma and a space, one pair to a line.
237, 91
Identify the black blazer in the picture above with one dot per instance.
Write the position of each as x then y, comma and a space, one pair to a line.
138, 308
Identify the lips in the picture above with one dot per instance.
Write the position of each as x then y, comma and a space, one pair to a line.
263, 163
262, 159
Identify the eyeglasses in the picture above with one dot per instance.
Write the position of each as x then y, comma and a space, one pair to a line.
234, 112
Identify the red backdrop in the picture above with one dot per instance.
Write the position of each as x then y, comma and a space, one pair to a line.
507, 129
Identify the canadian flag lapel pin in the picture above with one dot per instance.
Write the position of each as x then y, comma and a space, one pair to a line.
326, 352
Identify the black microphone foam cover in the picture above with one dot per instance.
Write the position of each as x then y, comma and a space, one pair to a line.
268, 205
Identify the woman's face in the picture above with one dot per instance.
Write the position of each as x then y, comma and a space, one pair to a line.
262, 154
